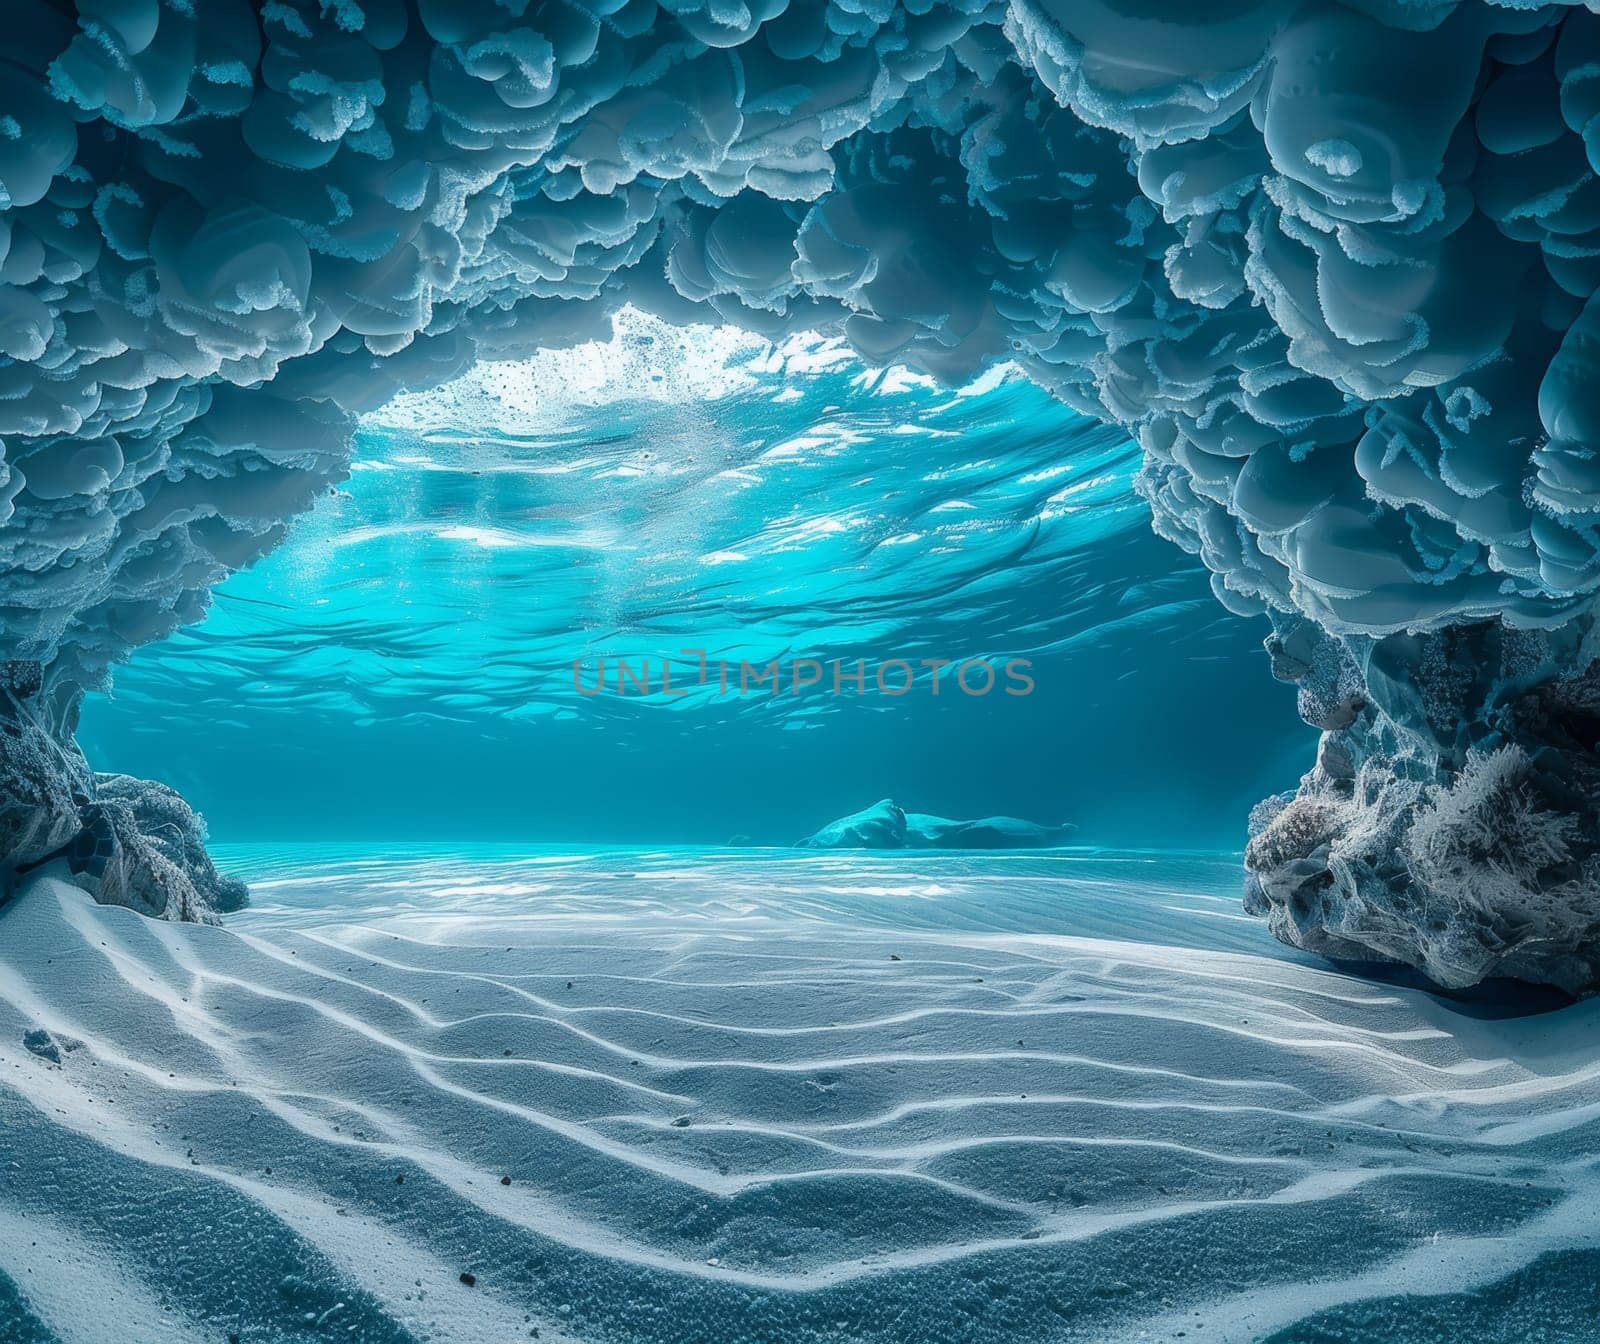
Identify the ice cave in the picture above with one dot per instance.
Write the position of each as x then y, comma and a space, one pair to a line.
895, 670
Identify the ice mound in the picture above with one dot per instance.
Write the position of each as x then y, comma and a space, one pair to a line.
886, 825
1333, 266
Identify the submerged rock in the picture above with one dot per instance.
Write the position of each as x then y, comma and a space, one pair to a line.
175, 831
1452, 818
125, 841
881, 826
44, 786
885, 825
926, 832
41, 1043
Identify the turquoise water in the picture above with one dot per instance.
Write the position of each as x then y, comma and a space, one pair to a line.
404, 665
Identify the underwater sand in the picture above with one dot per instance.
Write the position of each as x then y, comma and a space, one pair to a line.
749, 1096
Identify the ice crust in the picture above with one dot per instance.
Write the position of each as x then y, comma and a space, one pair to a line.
1333, 266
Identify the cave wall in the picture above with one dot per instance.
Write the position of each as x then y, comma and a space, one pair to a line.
1332, 265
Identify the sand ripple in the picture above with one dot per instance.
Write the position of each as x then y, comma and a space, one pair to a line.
694, 1097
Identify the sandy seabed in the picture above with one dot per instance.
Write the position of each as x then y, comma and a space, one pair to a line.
729, 1096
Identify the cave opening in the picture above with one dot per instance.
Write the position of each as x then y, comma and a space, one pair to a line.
671, 496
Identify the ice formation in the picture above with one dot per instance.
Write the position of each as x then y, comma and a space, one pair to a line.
887, 825
1332, 265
